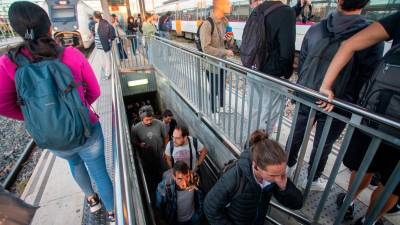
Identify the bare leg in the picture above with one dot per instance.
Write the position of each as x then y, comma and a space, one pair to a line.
364, 183
389, 204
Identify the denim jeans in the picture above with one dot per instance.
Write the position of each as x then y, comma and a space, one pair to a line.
164, 34
217, 88
134, 43
88, 162
121, 50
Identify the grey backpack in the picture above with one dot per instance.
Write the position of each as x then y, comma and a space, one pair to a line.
253, 50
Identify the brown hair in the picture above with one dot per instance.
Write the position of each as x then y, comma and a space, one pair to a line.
184, 130
98, 15
266, 152
181, 167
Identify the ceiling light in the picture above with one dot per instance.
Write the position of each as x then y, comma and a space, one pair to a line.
133, 83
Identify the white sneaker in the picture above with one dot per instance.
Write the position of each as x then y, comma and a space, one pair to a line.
318, 185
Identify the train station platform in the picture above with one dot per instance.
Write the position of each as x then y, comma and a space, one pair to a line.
174, 77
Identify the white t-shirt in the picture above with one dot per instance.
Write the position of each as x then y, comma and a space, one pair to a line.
182, 153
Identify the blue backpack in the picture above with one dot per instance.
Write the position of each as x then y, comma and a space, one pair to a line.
54, 114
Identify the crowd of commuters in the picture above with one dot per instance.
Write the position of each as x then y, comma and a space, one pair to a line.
339, 56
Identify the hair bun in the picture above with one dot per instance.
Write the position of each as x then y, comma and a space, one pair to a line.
258, 136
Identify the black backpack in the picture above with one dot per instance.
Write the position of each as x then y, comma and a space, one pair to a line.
381, 94
233, 163
195, 145
253, 50
197, 37
319, 58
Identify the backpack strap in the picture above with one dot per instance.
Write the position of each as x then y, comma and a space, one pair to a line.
241, 182
60, 52
171, 150
209, 19
196, 145
17, 58
191, 155
272, 7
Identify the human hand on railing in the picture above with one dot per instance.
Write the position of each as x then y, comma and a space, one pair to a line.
326, 106
229, 53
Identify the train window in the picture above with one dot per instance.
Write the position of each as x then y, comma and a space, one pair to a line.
320, 9
63, 14
240, 10
377, 9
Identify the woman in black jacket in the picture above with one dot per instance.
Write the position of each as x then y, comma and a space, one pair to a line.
242, 194
132, 29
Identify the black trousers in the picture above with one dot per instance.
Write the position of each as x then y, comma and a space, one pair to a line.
336, 129
217, 83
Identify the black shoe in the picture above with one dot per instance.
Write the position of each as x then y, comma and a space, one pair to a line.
350, 210
395, 209
359, 222
375, 179
94, 203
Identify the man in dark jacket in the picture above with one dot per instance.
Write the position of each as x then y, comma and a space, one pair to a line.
242, 194
170, 122
165, 25
280, 32
104, 35
180, 202
346, 19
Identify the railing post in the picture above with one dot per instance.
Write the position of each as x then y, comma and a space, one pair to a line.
199, 82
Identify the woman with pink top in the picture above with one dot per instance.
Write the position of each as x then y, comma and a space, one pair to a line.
26, 17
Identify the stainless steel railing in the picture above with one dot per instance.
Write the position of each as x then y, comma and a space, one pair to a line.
132, 52
128, 200
7, 34
251, 99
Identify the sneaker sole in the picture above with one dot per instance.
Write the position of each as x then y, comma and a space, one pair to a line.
317, 189
95, 208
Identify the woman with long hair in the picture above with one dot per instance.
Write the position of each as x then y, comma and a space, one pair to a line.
132, 29
86, 161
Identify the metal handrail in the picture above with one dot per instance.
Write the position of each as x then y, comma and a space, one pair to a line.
298, 88
11, 177
190, 74
128, 201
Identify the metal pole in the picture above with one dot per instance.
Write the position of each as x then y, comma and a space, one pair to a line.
18, 165
128, 7
106, 11
142, 8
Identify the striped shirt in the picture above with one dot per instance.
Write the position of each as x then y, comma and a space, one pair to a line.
97, 41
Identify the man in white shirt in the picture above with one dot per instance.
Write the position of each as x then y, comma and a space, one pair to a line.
185, 148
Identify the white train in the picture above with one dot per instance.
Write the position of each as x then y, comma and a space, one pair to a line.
188, 15
70, 21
